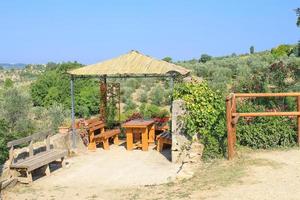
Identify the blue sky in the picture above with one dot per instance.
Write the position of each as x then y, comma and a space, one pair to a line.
35, 31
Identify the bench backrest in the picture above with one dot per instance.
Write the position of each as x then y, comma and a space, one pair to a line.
29, 139
96, 125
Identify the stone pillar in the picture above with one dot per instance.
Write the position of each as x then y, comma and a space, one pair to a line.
180, 141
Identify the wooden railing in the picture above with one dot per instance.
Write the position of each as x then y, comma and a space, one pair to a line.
232, 116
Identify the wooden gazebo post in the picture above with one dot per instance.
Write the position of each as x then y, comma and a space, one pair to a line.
171, 107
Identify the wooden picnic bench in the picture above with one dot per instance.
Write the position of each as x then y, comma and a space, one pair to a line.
25, 166
163, 138
98, 134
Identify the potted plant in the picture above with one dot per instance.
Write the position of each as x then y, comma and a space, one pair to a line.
161, 119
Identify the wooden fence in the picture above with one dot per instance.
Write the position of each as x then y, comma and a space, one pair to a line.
232, 116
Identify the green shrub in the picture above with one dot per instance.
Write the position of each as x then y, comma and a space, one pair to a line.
282, 50
206, 116
151, 111
265, 132
8, 83
126, 93
16, 111
156, 95
57, 114
129, 105
143, 98
133, 83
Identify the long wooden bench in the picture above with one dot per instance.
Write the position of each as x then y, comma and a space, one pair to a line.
98, 134
163, 138
34, 161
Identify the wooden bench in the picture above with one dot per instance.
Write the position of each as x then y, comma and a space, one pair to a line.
98, 134
163, 138
34, 161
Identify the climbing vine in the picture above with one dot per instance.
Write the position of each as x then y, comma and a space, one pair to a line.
205, 116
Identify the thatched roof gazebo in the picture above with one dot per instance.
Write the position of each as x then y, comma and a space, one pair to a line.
132, 64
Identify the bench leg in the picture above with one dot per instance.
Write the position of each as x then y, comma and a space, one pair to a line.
160, 145
116, 140
106, 144
29, 177
63, 162
92, 146
47, 171
13, 173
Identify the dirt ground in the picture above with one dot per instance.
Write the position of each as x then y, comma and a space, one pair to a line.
253, 175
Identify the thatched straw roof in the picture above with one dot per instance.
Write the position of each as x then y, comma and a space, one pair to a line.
130, 64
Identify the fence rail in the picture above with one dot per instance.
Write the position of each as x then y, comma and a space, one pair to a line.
232, 116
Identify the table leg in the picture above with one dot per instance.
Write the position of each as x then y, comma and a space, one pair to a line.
145, 139
152, 134
129, 139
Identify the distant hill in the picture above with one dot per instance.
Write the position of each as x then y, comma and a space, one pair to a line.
13, 65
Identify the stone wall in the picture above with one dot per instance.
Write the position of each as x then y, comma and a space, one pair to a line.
185, 150
180, 141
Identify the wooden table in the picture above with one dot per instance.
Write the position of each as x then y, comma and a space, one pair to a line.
145, 126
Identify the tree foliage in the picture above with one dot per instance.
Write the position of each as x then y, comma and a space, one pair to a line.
298, 17
4, 138
230, 72
282, 50
204, 58
167, 59
16, 106
8, 83
258, 72
156, 95
298, 24
53, 86
252, 50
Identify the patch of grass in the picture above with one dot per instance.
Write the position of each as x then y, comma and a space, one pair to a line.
220, 173
264, 162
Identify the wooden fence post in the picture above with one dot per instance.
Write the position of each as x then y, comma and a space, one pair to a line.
298, 120
230, 138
